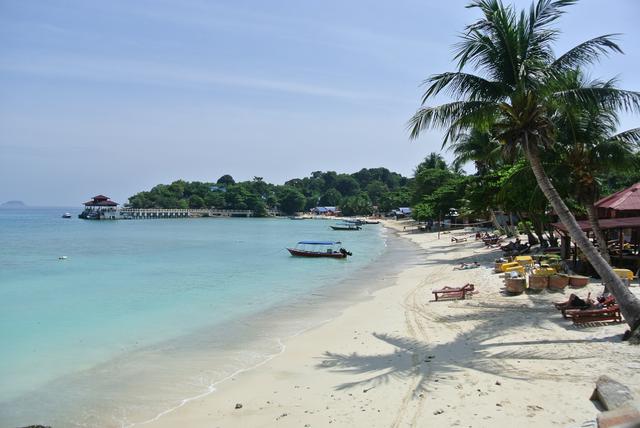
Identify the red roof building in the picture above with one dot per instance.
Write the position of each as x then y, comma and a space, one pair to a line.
100, 201
625, 203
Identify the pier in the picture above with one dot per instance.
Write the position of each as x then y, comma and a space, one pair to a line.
159, 213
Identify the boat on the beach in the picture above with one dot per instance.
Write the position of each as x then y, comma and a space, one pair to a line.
329, 249
66, 215
346, 226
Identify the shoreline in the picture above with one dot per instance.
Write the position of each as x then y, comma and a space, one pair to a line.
400, 359
332, 298
209, 350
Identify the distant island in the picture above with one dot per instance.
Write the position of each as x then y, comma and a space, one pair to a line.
13, 204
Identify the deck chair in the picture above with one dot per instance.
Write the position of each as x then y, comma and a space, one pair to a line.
610, 313
454, 292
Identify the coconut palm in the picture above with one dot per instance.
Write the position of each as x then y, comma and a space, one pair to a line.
515, 91
589, 147
478, 147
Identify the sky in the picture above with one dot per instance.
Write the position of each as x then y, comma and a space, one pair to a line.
114, 97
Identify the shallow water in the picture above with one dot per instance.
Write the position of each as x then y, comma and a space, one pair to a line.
145, 314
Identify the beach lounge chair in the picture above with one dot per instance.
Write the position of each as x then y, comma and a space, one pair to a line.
491, 240
609, 313
454, 292
571, 311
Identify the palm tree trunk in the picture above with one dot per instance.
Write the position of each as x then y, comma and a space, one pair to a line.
629, 304
494, 219
595, 226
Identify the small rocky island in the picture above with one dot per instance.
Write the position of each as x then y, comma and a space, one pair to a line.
13, 204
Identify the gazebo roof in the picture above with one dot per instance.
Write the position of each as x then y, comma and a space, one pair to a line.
625, 200
100, 201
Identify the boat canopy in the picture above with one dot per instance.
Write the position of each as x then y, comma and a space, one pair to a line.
319, 242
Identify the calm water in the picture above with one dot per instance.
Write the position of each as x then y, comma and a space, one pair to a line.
135, 297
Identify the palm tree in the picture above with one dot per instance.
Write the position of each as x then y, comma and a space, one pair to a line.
589, 147
478, 147
515, 94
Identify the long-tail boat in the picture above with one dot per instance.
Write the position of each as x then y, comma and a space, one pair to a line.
329, 249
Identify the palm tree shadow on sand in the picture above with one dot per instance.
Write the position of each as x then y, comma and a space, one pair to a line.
479, 349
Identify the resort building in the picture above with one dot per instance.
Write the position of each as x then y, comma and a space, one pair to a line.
100, 208
328, 211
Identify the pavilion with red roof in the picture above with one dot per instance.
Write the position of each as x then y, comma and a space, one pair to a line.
100, 207
625, 203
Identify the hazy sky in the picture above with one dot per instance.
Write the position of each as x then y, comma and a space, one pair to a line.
116, 96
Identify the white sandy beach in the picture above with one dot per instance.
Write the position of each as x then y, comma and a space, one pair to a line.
400, 359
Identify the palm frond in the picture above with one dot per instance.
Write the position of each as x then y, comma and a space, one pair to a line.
586, 53
463, 85
630, 137
605, 96
446, 116
544, 12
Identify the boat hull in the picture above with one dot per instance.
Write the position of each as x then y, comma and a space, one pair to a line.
301, 253
345, 228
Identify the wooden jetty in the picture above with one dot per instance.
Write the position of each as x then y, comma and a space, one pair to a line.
159, 213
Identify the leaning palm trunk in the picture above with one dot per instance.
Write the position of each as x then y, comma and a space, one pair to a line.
494, 219
592, 214
629, 304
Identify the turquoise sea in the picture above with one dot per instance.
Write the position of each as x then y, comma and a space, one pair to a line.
142, 315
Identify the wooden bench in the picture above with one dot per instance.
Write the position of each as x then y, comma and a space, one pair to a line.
454, 292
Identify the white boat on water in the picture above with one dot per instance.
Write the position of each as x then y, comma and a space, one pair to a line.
66, 215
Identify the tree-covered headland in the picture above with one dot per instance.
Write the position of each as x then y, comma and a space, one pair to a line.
359, 193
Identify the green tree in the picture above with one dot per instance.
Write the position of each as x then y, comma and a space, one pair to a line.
291, 200
196, 201
214, 200
516, 90
347, 185
356, 205
226, 180
330, 198
590, 148
376, 189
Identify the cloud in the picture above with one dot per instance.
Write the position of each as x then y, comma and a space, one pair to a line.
144, 72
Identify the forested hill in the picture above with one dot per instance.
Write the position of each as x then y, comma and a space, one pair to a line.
357, 193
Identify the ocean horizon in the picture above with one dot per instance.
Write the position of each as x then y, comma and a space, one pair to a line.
98, 312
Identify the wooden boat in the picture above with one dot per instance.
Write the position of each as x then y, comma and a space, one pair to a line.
319, 249
372, 222
346, 227
357, 221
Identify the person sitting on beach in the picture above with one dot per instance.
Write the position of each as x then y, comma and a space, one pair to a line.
467, 266
575, 302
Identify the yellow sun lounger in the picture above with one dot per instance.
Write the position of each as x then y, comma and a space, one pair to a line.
505, 266
524, 260
544, 271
